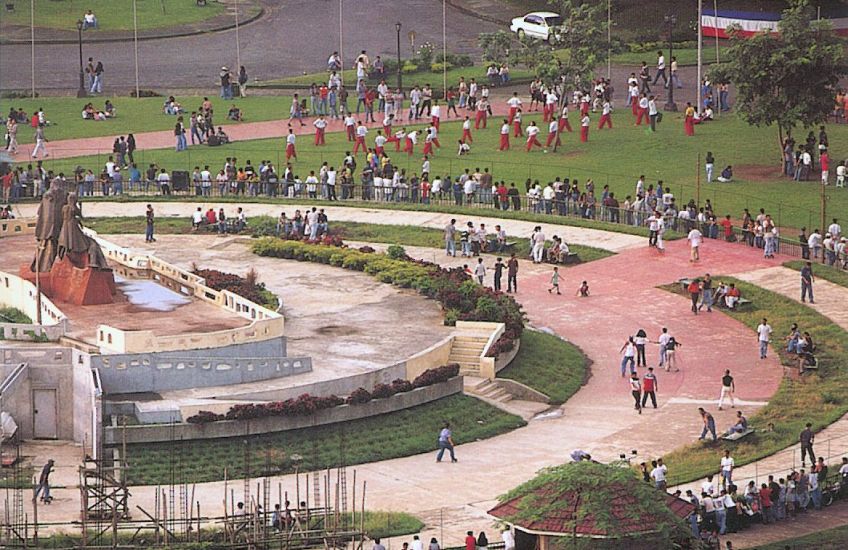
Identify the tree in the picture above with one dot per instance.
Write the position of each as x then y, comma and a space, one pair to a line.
495, 46
583, 39
788, 78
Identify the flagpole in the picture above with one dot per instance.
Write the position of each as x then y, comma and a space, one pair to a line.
135, 47
609, 39
700, 53
32, 43
238, 46
444, 51
341, 44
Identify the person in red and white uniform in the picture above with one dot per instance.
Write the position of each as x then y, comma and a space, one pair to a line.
379, 143
514, 104
361, 132
410, 140
553, 133
551, 100
436, 114
387, 124
504, 144
516, 124
481, 114
350, 127
434, 130
643, 110
399, 138
605, 116
320, 126
466, 130
563, 119
532, 136
584, 128
290, 151
428, 141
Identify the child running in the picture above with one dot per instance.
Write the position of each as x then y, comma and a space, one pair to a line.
555, 281
583, 291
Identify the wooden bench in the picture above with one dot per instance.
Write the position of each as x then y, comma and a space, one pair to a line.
736, 436
571, 259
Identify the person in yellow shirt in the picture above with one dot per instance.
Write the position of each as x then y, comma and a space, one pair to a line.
689, 120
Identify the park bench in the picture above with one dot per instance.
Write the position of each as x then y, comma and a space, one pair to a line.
736, 436
571, 259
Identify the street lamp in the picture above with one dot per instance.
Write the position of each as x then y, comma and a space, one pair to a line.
670, 105
81, 92
399, 67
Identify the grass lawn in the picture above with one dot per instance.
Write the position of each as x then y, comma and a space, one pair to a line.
820, 398
822, 271
419, 78
685, 56
406, 235
133, 115
118, 16
548, 364
830, 539
615, 158
402, 433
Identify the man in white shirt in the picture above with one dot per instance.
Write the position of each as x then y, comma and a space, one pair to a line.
727, 465
661, 70
331, 184
658, 474
548, 195
763, 336
835, 229
350, 127
164, 181
436, 115
538, 245
110, 167
708, 487
411, 140
606, 118
379, 143
695, 238
514, 104
653, 113
290, 150
550, 109
320, 126
508, 539
553, 134
815, 243
197, 219
361, 132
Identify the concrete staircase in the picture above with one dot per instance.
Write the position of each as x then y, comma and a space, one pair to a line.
489, 390
466, 350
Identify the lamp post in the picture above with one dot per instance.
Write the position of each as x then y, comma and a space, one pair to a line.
670, 105
399, 67
81, 92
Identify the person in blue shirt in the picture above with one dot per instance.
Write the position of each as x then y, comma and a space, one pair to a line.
445, 443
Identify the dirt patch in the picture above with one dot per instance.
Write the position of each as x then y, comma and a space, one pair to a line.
757, 173
336, 330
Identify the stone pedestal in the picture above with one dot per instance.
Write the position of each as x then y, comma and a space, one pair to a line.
81, 286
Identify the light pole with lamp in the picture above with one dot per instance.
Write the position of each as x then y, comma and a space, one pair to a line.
670, 105
82, 91
399, 66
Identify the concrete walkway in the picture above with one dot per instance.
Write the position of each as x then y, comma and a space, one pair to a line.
607, 240
599, 418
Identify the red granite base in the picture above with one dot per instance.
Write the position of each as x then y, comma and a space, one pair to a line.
65, 282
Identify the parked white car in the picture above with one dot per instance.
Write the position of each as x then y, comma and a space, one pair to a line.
544, 25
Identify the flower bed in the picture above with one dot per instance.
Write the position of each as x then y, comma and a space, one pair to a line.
246, 287
307, 404
461, 298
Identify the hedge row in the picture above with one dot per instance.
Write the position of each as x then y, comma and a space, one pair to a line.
307, 404
461, 298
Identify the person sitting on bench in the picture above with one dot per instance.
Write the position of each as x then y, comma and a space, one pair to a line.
806, 352
235, 114
222, 137
731, 298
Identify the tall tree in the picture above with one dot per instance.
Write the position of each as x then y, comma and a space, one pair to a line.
583, 39
789, 78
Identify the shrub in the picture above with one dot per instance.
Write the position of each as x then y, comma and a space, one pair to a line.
451, 317
366, 249
439, 67
359, 396
436, 375
382, 391
396, 252
204, 417
409, 68
400, 385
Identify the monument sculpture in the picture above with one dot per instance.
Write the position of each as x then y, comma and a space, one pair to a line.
70, 265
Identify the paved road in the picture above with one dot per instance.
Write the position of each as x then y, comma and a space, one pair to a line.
293, 37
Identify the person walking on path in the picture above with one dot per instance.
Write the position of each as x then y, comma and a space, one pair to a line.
450, 238
807, 280
636, 391
40, 143
512, 274
629, 350
555, 281
149, 220
763, 337
650, 387
694, 290
695, 238
43, 486
709, 424
663, 343
498, 275
538, 244
706, 293
727, 465
480, 271
807, 438
641, 339
728, 388
445, 443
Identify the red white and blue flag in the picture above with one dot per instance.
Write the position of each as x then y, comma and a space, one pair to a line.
717, 23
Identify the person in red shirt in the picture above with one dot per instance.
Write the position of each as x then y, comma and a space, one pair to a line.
765, 502
649, 388
728, 228
470, 541
503, 196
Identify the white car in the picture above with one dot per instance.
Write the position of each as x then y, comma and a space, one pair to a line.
544, 25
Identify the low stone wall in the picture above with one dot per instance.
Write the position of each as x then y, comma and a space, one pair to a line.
13, 228
22, 294
240, 428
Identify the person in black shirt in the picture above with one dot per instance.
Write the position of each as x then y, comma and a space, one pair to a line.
514, 197
499, 265
44, 482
